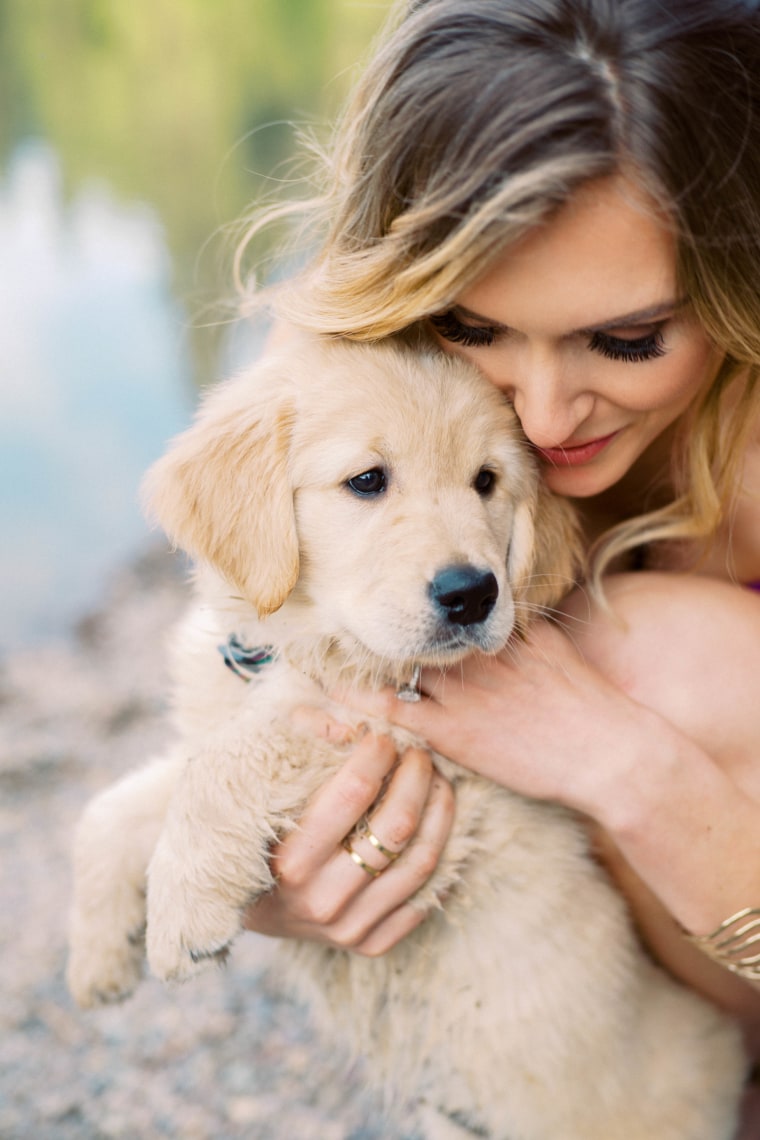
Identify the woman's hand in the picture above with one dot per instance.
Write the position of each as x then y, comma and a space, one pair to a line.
322, 893
536, 718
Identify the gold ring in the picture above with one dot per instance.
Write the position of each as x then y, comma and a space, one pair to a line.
372, 871
366, 832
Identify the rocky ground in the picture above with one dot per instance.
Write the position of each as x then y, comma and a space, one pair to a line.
226, 1056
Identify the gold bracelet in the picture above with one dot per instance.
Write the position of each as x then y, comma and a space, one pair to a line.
735, 945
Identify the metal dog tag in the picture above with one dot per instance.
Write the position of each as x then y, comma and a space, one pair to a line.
410, 692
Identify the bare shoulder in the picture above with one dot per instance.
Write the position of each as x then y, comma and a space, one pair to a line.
688, 647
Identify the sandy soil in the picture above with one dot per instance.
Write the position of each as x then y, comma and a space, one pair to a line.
227, 1055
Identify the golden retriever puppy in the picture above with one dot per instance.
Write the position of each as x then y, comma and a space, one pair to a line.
356, 512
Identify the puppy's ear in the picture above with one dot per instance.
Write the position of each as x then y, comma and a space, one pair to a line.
222, 491
546, 552
522, 542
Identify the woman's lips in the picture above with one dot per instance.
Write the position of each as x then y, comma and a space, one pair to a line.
575, 456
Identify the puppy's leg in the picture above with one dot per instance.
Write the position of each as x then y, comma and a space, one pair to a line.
112, 848
236, 795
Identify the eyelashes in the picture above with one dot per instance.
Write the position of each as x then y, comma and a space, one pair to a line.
647, 347
452, 329
640, 349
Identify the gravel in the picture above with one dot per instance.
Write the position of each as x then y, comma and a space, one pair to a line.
229, 1054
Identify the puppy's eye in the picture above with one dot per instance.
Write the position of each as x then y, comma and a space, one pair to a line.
372, 482
485, 481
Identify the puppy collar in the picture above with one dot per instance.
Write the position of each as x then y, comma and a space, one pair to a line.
245, 662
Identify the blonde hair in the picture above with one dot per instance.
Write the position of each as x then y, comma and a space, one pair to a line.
474, 122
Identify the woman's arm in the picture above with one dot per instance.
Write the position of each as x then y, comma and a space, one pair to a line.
684, 805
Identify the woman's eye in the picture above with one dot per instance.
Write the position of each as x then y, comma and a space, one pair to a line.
620, 348
485, 481
471, 336
372, 482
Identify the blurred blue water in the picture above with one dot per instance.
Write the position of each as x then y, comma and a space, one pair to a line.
94, 377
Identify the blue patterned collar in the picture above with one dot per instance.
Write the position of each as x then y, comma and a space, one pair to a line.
246, 662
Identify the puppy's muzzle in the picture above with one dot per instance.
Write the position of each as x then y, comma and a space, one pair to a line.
464, 595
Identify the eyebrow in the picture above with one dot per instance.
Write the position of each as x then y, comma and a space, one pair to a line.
638, 317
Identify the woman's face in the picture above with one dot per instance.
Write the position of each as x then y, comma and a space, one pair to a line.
580, 324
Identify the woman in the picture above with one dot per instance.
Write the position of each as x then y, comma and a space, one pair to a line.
567, 193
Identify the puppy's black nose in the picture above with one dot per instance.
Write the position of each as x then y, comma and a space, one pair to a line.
465, 594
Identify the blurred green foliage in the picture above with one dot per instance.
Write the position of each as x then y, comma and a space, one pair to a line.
180, 103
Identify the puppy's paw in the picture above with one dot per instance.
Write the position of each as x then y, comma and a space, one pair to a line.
100, 972
192, 920
197, 893
189, 939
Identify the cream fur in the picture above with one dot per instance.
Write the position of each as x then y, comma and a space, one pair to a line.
521, 1009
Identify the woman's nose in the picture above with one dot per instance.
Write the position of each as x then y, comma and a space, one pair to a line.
550, 404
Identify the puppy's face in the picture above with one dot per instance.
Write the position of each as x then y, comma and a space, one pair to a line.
389, 493
414, 501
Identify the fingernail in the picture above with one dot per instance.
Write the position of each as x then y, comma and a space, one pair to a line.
340, 734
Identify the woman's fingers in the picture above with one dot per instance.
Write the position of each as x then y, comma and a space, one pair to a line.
315, 721
360, 903
404, 876
335, 809
425, 718
381, 838
322, 874
389, 931
382, 913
